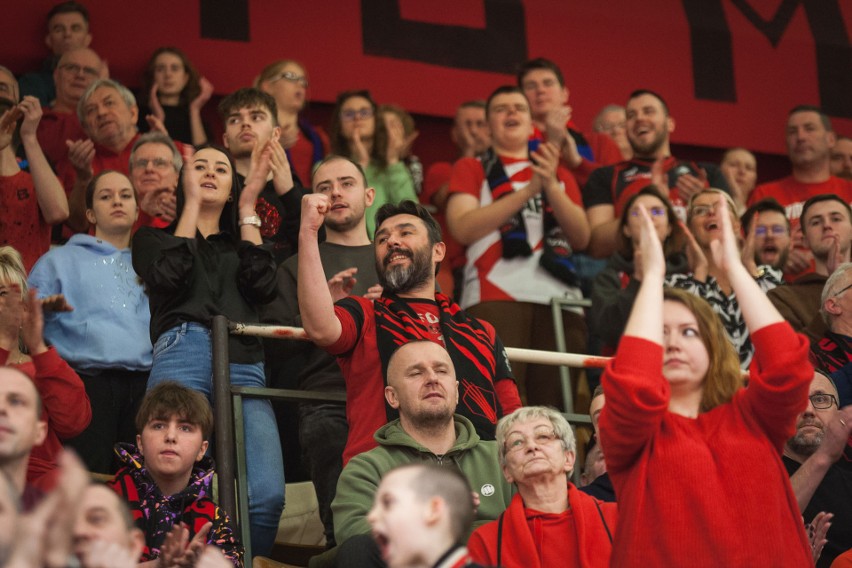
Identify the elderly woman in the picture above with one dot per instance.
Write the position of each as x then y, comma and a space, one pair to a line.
549, 522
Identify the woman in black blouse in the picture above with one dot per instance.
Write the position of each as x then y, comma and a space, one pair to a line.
208, 262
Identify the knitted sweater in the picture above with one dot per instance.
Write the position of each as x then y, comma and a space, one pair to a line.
710, 491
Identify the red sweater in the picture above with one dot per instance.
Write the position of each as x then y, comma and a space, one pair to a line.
575, 539
710, 491
65, 408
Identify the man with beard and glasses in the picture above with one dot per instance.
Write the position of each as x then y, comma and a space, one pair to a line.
649, 127
819, 461
422, 386
363, 333
348, 259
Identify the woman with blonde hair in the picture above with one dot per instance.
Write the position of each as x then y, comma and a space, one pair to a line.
695, 459
707, 278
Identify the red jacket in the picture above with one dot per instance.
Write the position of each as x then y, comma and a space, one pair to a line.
65, 408
591, 537
707, 491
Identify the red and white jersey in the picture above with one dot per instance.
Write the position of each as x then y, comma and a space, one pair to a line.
489, 277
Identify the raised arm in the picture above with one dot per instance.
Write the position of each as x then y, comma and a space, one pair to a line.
646, 317
758, 312
315, 301
49, 191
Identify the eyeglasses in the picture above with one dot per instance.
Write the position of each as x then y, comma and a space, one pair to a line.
516, 441
763, 230
292, 77
703, 210
158, 163
654, 211
841, 291
75, 69
363, 114
822, 401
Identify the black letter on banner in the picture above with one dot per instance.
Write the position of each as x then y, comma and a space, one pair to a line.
225, 19
712, 59
500, 47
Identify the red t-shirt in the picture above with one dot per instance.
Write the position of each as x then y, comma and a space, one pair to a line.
21, 222
54, 129
302, 155
437, 176
488, 276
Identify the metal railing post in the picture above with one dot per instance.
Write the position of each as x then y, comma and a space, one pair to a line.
223, 413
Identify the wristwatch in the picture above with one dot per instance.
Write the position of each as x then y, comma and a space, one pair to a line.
252, 220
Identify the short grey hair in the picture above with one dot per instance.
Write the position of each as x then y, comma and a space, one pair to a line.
527, 413
830, 289
157, 138
604, 110
122, 90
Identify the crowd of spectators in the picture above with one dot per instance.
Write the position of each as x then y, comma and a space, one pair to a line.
125, 227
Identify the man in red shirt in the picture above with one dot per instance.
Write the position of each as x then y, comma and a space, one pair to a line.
363, 333
76, 70
810, 140
544, 85
108, 113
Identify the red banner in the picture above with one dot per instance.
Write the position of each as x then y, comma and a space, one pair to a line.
730, 69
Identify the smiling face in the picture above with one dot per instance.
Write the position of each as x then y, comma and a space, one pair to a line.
510, 121
171, 446
422, 384
808, 140
170, 74
344, 185
685, 360
405, 260
114, 209
108, 119
214, 176
534, 451
704, 221
648, 126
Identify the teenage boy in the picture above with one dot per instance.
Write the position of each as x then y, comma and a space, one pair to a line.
168, 480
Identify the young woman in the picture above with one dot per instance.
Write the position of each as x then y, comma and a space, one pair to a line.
695, 458
105, 337
615, 287
359, 133
709, 280
287, 82
210, 262
739, 167
175, 93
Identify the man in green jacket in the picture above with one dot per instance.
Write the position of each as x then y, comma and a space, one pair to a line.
422, 387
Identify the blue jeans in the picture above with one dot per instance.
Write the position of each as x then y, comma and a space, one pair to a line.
185, 354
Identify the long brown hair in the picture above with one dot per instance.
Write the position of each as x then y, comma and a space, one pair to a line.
674, 242
193, 85
723, 377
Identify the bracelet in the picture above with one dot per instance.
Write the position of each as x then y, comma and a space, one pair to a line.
251, 220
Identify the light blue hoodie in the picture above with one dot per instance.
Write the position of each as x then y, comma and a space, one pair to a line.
108, 328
